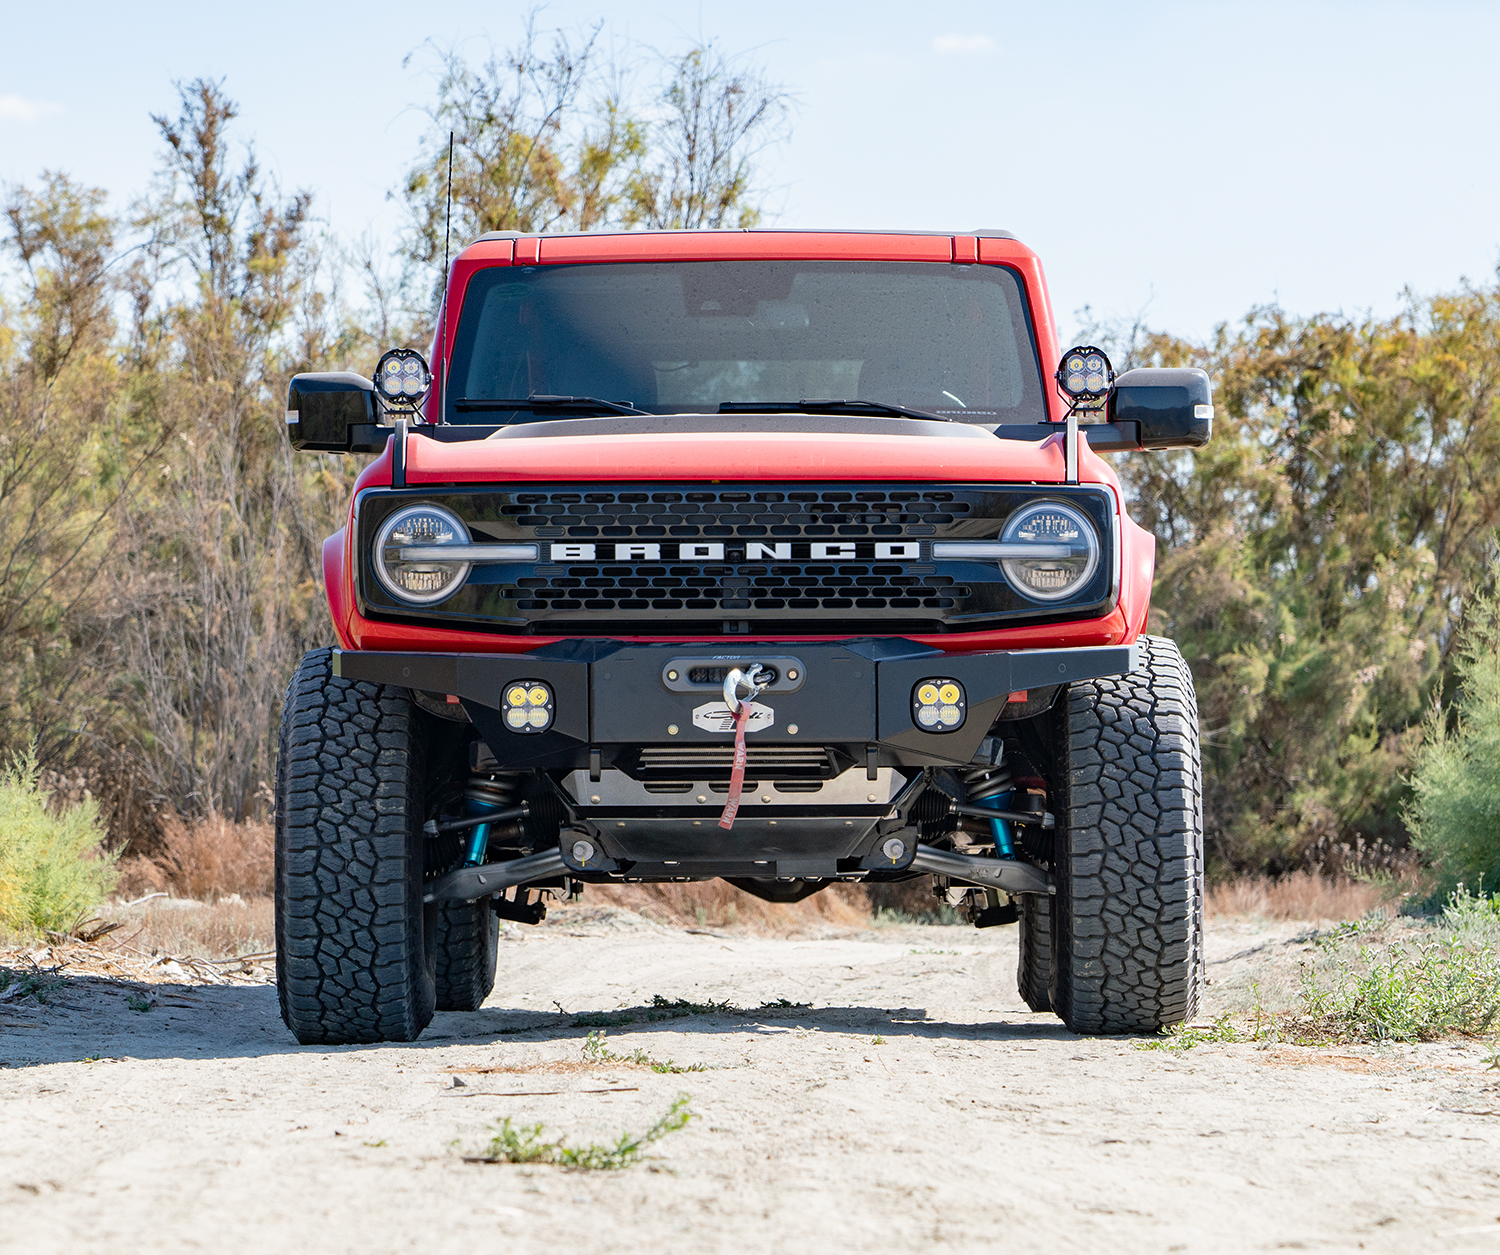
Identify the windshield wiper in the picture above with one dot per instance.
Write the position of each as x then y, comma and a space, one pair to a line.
876, 409
541, 401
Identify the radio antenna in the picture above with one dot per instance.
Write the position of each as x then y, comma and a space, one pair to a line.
448, 212
441, 363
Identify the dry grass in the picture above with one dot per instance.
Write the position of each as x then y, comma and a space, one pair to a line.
205, 859
1300, 896
223, 930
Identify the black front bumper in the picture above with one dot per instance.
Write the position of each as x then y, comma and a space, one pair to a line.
612, 696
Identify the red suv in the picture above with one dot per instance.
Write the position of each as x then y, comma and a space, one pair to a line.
778, 556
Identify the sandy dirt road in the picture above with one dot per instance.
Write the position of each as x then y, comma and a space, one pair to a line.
914, 1104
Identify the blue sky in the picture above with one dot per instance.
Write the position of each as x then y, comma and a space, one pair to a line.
1188, 160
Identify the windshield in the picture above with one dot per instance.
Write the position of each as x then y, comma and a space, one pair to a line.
686, 337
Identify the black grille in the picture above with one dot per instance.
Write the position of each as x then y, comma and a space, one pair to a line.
734, 588
700, 762
764, 573
795, 514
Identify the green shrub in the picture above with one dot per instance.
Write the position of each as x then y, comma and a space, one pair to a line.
1455, 810
53, 869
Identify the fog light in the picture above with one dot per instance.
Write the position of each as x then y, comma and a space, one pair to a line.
939, 705
402, 379
1086, 378
529, 706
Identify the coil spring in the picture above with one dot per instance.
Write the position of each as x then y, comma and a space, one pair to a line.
497, 790
983, 781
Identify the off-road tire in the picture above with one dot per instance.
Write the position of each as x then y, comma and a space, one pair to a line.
354, 943
466, 941
1034, 964
1128, 913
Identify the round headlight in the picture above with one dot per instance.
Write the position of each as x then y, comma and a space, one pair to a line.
405, 563
1052, 524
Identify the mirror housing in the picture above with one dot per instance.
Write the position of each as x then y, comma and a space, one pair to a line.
324, 410
1172, 409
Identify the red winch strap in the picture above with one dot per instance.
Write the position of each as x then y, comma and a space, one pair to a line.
737, 772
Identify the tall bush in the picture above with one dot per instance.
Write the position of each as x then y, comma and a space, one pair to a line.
53, 869
1455, 808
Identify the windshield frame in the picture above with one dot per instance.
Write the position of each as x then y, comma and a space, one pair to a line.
1023, 315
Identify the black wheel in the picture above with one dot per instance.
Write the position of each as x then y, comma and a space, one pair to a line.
1034, 965
466, 940
1128, 913
354, 943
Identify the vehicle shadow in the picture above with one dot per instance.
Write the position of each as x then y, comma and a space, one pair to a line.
86, 1018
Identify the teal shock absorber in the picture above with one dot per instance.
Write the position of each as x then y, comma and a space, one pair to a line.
989, 786
485, 795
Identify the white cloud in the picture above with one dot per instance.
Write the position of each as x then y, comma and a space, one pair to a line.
15, 108
963, 43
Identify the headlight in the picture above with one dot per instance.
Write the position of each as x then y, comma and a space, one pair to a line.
1058, 527
401, 378
419, 581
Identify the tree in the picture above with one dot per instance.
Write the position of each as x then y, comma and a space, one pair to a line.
214, 597
544, 140
1315, 557
717, 119
527, 156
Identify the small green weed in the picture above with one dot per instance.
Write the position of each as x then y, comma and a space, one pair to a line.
376, 1145
34, 983
596, 1050
877, 1041
1185, 1036
513, 1143
136, 1003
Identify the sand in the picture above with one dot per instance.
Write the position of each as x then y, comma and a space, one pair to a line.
913, 1103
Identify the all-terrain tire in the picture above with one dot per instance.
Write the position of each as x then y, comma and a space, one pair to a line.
1034, 964
1128, 913
354, 943
466, 941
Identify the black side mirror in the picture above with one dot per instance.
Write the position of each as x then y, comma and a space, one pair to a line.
324, 410
1172, 409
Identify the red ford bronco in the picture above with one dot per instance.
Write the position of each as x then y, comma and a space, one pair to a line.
778, 556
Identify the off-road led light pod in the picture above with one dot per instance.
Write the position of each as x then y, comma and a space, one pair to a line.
402, 379
1085, 377
529, 706
939, 705
424, 581
1053, 524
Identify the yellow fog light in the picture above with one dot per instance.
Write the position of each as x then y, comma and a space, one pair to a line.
529, 706
939, 705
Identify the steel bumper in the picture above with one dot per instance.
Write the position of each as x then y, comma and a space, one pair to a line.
611, 694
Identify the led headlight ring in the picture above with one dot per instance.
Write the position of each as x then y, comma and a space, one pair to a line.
1050, 523
419, 581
